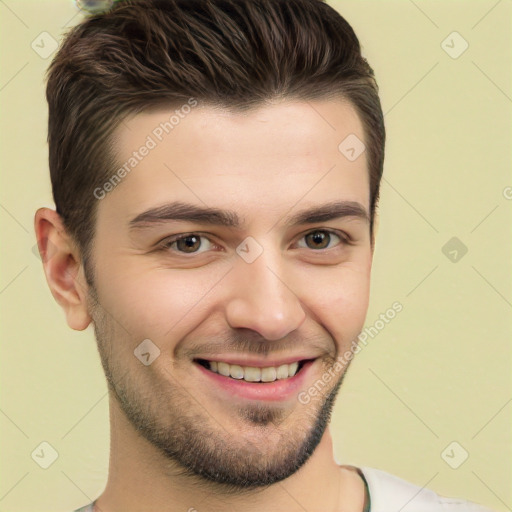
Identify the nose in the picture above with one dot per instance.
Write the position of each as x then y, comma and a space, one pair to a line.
262, 300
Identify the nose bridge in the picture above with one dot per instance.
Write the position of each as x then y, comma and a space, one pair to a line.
260, 298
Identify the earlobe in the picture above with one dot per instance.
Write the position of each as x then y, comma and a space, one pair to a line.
62, 267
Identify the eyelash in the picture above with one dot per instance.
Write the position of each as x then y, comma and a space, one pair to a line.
165, 244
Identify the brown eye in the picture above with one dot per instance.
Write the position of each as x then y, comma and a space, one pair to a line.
188, 244
320, 239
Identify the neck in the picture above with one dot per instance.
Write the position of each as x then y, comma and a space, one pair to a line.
142, 478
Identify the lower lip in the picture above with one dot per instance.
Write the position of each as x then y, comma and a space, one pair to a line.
277, 390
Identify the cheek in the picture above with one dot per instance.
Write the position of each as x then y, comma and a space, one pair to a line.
153, 303
340, 303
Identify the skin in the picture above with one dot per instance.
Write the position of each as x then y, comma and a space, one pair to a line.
264, 165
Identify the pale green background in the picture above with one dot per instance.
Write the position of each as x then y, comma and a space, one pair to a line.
439, 372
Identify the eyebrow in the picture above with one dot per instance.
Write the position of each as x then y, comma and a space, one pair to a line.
179, 211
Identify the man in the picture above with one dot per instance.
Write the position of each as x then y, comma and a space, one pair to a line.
215, 167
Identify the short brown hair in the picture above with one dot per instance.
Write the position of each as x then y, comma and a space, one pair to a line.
236, 54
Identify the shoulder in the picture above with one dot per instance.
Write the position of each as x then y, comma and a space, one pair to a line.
389, 493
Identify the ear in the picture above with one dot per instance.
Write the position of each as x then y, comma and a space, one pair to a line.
62, 267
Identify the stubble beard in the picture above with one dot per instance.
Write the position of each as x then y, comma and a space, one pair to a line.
195, 443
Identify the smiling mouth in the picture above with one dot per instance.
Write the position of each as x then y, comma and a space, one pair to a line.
252, 373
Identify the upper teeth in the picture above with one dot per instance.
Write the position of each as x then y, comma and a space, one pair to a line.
254, 374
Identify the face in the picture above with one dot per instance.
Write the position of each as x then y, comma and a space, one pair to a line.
231, 271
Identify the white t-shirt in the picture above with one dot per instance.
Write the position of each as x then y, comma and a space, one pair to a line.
389, 493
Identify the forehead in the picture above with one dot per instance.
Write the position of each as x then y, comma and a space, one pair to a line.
213, 155
298, 124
